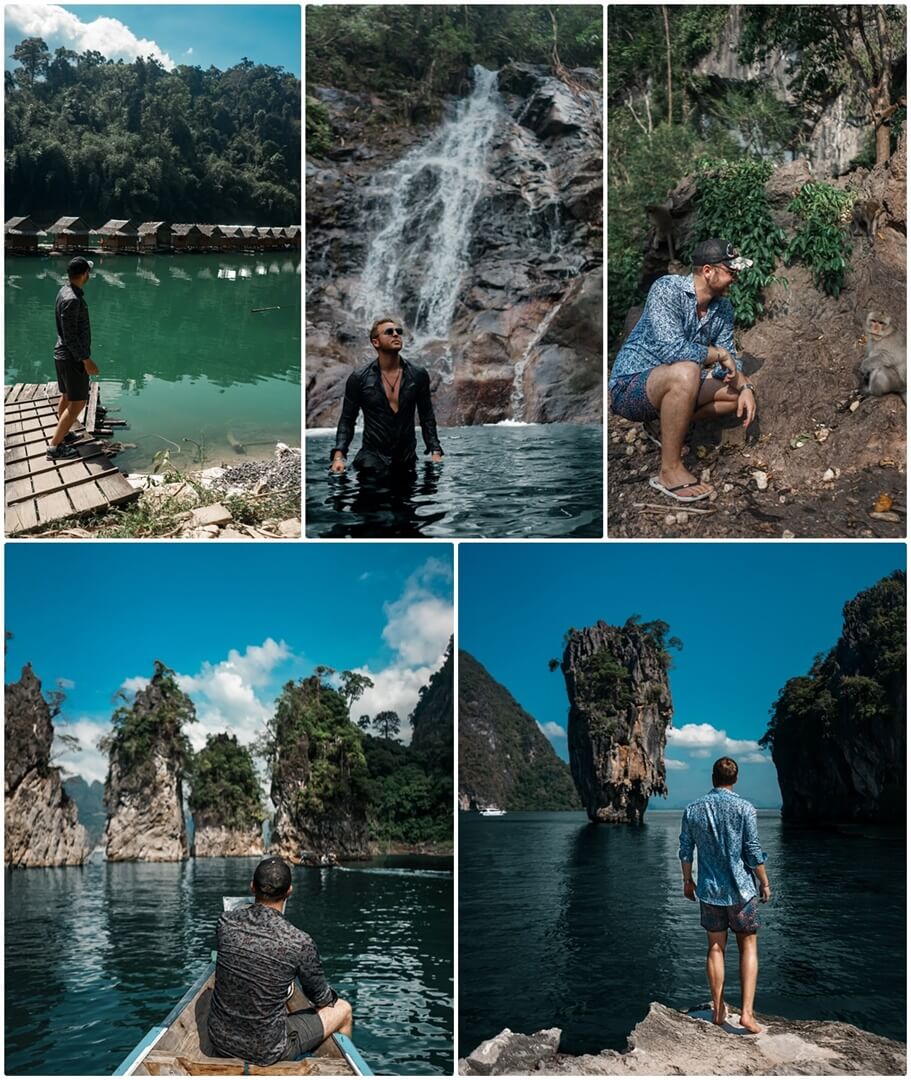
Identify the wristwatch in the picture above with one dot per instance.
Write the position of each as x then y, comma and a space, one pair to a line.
747, 386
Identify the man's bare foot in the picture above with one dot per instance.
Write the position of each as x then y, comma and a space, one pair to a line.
674, 478
719, 1017
749, 1022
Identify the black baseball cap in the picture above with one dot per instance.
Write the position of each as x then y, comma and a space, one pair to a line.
272, 878
718, 252
79, 265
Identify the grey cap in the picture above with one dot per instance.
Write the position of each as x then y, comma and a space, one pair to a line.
718, 252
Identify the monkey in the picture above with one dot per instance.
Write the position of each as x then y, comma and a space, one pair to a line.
663, 223
883, 369
865, 218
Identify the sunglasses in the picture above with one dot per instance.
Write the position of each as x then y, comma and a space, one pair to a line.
393, 331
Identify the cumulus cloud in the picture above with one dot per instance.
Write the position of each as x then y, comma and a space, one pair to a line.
57, 27
674, 764
88, 761
703, 740
134, 684
552, 730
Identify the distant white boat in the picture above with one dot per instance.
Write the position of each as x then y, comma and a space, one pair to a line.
491, 811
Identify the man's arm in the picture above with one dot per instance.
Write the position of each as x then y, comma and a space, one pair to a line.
428, 420
77, 341
687, 847
753, 855
666, 315
345, 433
312, 979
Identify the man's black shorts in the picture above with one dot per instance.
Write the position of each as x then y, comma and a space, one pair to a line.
305, 1033
72, 378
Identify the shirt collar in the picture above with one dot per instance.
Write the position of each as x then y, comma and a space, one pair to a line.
79, 292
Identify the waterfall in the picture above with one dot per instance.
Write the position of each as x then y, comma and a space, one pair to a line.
425, 203
517, 398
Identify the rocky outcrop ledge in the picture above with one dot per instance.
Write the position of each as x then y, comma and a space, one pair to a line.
213, 840
42, 823
672, 1043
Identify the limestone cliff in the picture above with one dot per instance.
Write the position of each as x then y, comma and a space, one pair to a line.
433, 719
319, 774
143, 792
504, 758
225, 799
42, 825
619, 712
838, 734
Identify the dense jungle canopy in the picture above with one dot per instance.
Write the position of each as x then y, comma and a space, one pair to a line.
106, 139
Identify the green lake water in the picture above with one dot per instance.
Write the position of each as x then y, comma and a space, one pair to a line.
182, 354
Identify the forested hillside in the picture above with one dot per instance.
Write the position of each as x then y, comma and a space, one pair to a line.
102, 139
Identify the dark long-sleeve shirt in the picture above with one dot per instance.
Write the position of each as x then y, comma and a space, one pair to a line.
259, 955
388, 434
74, 334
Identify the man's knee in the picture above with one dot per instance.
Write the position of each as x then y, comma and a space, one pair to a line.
336, 1016
684, 375
716, 947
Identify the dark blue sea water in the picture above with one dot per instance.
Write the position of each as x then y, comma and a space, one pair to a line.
534, 480
567, 924
97, 955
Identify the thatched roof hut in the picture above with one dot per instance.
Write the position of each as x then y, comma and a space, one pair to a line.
69, 233
21, 235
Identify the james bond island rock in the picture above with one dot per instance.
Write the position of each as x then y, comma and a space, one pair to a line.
619, 712
319, 774
42, 825
504, 758
483, 233
672, 1043
143, 792
225, 800
838, 734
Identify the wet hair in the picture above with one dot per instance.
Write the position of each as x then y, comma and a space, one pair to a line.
724, 772
272, 878
379, 322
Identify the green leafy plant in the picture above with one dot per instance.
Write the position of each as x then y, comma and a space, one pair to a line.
733, 204
224, 784
822, 241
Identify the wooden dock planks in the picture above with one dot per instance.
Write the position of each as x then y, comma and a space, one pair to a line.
38, 491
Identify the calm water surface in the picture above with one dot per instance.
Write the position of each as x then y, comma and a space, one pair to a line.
182, 355
97, 955
562, 923
535, 480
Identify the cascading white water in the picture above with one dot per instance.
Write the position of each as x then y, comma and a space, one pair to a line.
415, 263
517, 397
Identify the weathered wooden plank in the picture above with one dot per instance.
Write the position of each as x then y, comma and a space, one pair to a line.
45, 483
20, 518
87, 497
117, 488
91, 408
53, 506
36, 454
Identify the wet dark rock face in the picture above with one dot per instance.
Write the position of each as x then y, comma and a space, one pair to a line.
619, 711
521, 337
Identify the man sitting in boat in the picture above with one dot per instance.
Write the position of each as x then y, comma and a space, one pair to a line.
259, 955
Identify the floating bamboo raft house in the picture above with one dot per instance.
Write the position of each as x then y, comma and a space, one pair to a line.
72, 235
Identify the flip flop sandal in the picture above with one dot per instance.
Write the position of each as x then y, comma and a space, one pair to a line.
670, 491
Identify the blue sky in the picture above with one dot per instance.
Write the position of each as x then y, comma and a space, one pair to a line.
196, 34
750, 616
235, 621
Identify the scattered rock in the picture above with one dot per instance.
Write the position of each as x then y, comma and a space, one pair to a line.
681, 517
761, 478
510, 1053
854, 406
630, 436
210, 515
727, 488
888, 515
828, 476
290, 527
883, 503
787, 535
670, 519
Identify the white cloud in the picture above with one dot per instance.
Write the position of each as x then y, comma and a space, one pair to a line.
552, 730
66, 684
673, 763
394, 688
756, 759
189, 51
57, 26
134, 684
88, 761
703, 740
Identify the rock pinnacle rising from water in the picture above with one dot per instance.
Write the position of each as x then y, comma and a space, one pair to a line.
619, 711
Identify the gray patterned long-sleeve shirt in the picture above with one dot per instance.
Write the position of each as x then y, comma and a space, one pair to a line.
670, 329
259, 955
722, 828
74, 332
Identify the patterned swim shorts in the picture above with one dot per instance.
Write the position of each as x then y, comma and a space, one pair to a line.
741, 918
629, 399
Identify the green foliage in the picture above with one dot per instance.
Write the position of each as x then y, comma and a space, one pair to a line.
410, 801
320, 137
733, 204
387, 724
764, 123
419, 52
602, 678
154, 722
103, 139
822, 241
858, 684
225, 785
623, 270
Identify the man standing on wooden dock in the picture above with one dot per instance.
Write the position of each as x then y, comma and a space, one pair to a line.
72, 357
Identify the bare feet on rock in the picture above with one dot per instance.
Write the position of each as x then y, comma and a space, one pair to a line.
719, 1016
749, 1022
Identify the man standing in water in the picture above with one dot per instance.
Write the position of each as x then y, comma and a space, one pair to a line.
679, 365
722, 828
259, 955
387, 389
72, 357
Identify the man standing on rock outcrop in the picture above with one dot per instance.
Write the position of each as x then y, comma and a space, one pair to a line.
387, 389
260, 954
722, 828
679, 365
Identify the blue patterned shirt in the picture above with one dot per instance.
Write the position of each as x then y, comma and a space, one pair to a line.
670, 330
722, 828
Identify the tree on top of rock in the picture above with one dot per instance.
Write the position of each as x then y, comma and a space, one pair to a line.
224, 785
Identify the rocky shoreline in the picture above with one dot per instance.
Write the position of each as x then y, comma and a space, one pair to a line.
669, 1042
